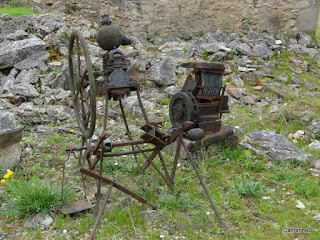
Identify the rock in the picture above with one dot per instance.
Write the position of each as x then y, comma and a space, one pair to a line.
163, 73
247, 100
300, 205
16, 51
171, 90
36, 60
243, 49
251, 79
273, 146
315, 144
6, 84
14, 72
261, 50
282, 78
217, 57
61, 80
131, 103
63, 95
314, 129
299, 135
47, 221
25, 90
10, 137
246, 69
304, 39
28, 76
316, 164
234, 92
39, 220
317, 217
237, 81
28, 112
18, 35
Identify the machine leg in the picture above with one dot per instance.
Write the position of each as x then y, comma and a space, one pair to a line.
223, 225
105, 201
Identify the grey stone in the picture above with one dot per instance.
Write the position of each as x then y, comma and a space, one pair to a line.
163, 73
171, 90
25, 90
16, 51
14, 72
217, 57
273, 146
38, 220
261, 50
314, 129
304, 39
236, 80
244, 49
28, 112
6, 84
47, 221
282, 78
10, 137
316, 164
132, 102
63, 95
36, 60
18, 35
315, 144
247, 100
317, 217
28, 76
61, 80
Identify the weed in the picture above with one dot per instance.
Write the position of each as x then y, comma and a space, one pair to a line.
16, 11
33, 196
143, 83
204, 56
249, 188
173, 202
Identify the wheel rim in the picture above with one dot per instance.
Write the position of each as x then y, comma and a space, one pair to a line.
82, 84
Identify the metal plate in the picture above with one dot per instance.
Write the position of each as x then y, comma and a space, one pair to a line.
76, 206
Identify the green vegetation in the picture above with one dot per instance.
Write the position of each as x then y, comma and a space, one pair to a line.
16, 9
16, 12
33, 196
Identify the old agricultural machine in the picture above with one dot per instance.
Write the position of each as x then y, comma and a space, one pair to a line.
194, 111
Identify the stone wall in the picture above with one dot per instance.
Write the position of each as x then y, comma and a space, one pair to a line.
150, 18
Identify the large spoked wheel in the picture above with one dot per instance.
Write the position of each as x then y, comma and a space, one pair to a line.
82, 84
183, 107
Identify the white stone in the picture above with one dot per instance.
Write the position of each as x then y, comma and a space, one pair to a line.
300, 205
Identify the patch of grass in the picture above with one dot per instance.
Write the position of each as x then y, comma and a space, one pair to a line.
205, 56
249, 188
17, 11
33, 196
306, 187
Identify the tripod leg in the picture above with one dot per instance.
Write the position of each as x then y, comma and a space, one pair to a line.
223, 225
106, 112
100, 212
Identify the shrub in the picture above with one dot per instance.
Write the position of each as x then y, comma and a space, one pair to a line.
33, 196
249, 188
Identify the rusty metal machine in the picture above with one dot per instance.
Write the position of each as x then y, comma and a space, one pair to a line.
194, 111
202, 98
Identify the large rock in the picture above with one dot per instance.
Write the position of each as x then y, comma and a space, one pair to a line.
273, 146
163, 73
10, 137
28, 76
36, 60
24, 90
28, 112
261, 50
16, 51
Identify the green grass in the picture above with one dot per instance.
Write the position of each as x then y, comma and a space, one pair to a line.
16, 11
33, 196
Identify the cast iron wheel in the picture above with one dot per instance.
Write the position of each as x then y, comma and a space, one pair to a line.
82, 84
183, 107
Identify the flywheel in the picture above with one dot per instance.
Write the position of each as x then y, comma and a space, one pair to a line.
183, 107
